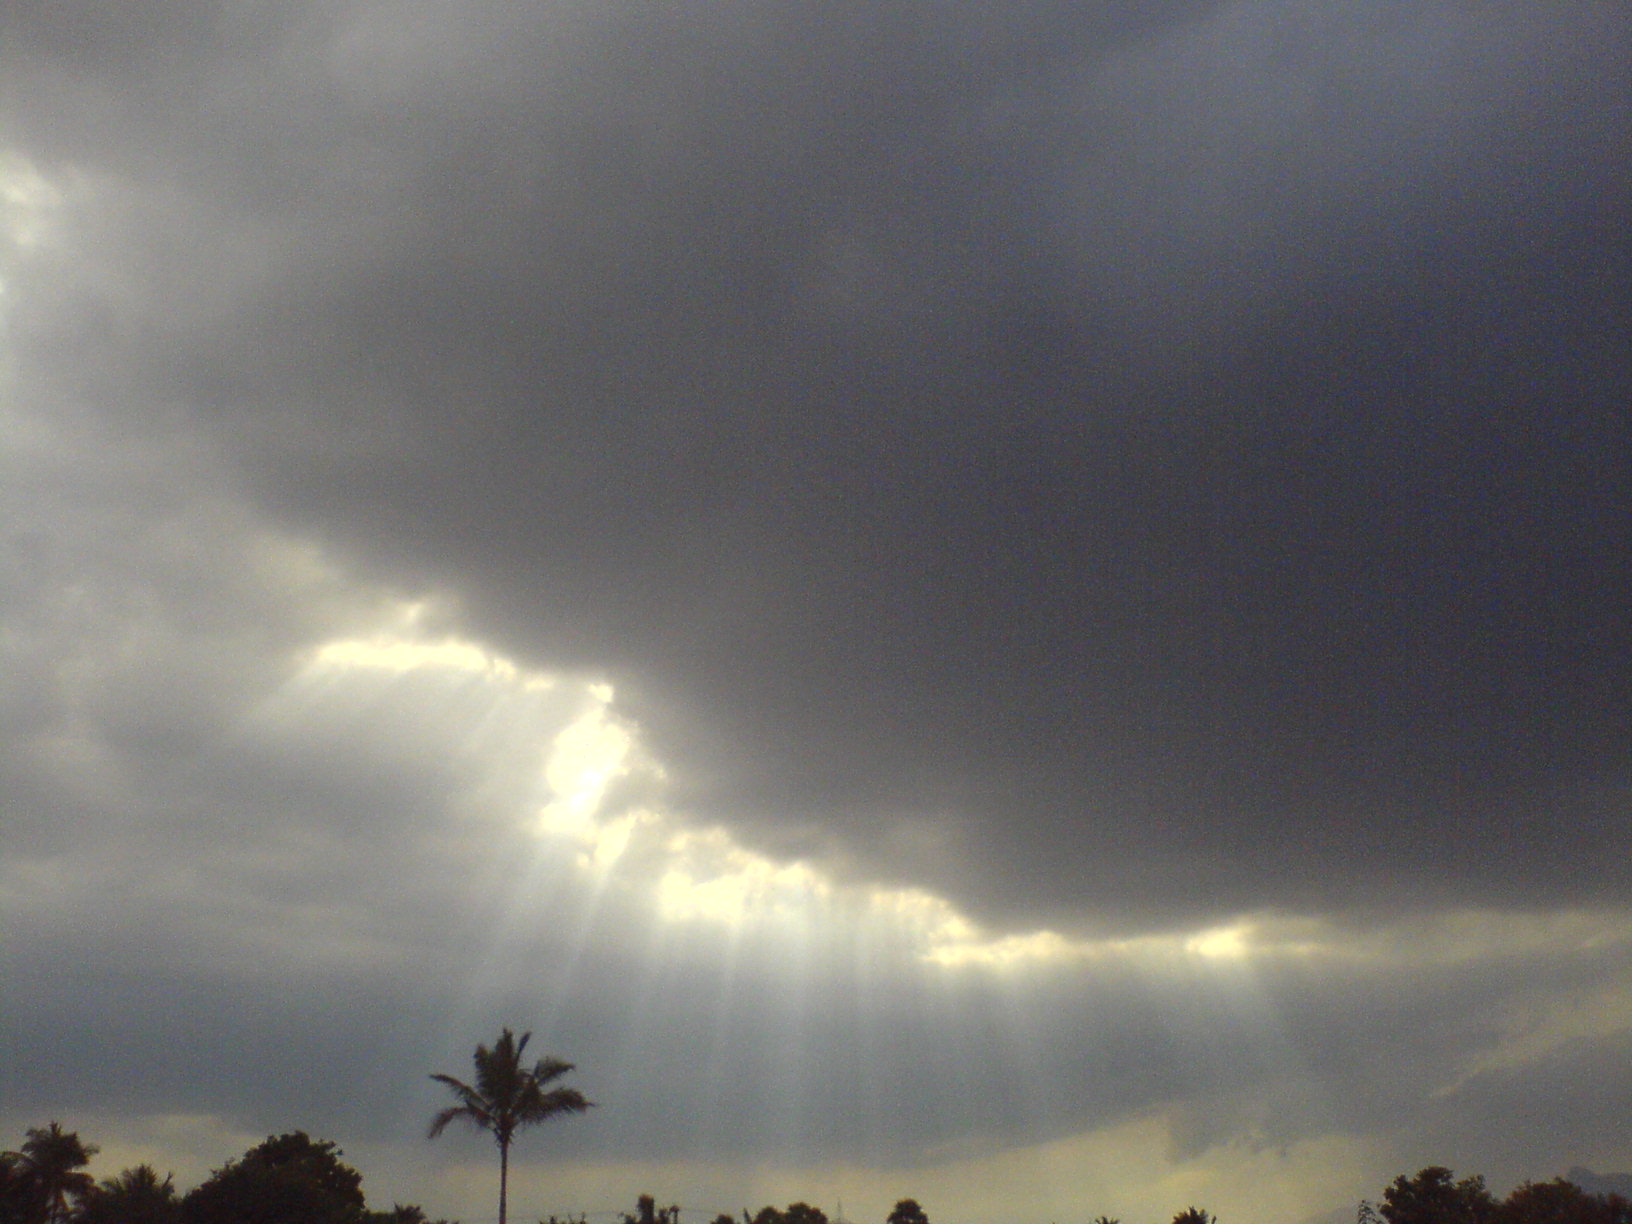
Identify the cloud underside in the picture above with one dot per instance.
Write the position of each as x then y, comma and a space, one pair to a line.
910, 585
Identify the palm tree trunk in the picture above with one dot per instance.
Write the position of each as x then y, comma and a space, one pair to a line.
504, 1179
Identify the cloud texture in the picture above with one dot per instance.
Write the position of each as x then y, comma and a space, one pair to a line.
911, 586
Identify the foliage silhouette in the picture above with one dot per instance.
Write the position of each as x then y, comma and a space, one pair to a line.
1431, 1197
399, 1214
794, 1213
293, 1179
135, 1196
287, 1179
13, 1189
648, 1212
1561, 1202
507, 1097
42, 1181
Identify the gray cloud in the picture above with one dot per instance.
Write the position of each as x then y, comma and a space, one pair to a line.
1117, 472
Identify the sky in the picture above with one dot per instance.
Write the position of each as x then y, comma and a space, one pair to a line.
1020, 605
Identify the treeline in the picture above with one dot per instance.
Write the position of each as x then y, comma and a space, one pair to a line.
1436, 1196
647, 1211
294, 1179
289, 1179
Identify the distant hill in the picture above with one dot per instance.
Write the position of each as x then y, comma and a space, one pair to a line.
1601, 1183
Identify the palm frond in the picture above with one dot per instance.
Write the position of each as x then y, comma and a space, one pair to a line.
471, 1097
472, 1107
443, 1118
549, 1069
564, 1100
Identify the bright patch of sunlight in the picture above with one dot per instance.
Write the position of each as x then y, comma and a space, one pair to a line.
1221, 943
28, 201
584, 759
401, 645
399, 655
1037, 947
943, 936
950, 939
711, 877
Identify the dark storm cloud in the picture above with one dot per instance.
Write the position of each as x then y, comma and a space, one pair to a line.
1122, 468
1178, 457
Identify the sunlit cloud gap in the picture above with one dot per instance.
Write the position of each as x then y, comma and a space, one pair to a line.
694, 874
573, 829
597, 798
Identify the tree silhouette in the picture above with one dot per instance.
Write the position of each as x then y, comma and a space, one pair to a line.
1193, 1215
506, 1097
16, 1198
906, 1211
400, 1213
135, 1196
1431, 1197
46, 1174
1561, 1202
796, 1213
648, 1212
286, 1179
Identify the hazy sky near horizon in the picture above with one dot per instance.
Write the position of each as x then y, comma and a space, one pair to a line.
1023, 605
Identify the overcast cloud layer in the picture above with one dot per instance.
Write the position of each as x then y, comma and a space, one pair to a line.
1023, 600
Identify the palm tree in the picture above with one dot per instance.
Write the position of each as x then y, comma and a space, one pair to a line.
53, 1162
507, 1097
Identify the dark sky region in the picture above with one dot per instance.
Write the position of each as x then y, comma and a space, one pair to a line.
1017, 604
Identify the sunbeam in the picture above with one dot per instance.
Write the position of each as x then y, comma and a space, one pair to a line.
1014, 604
